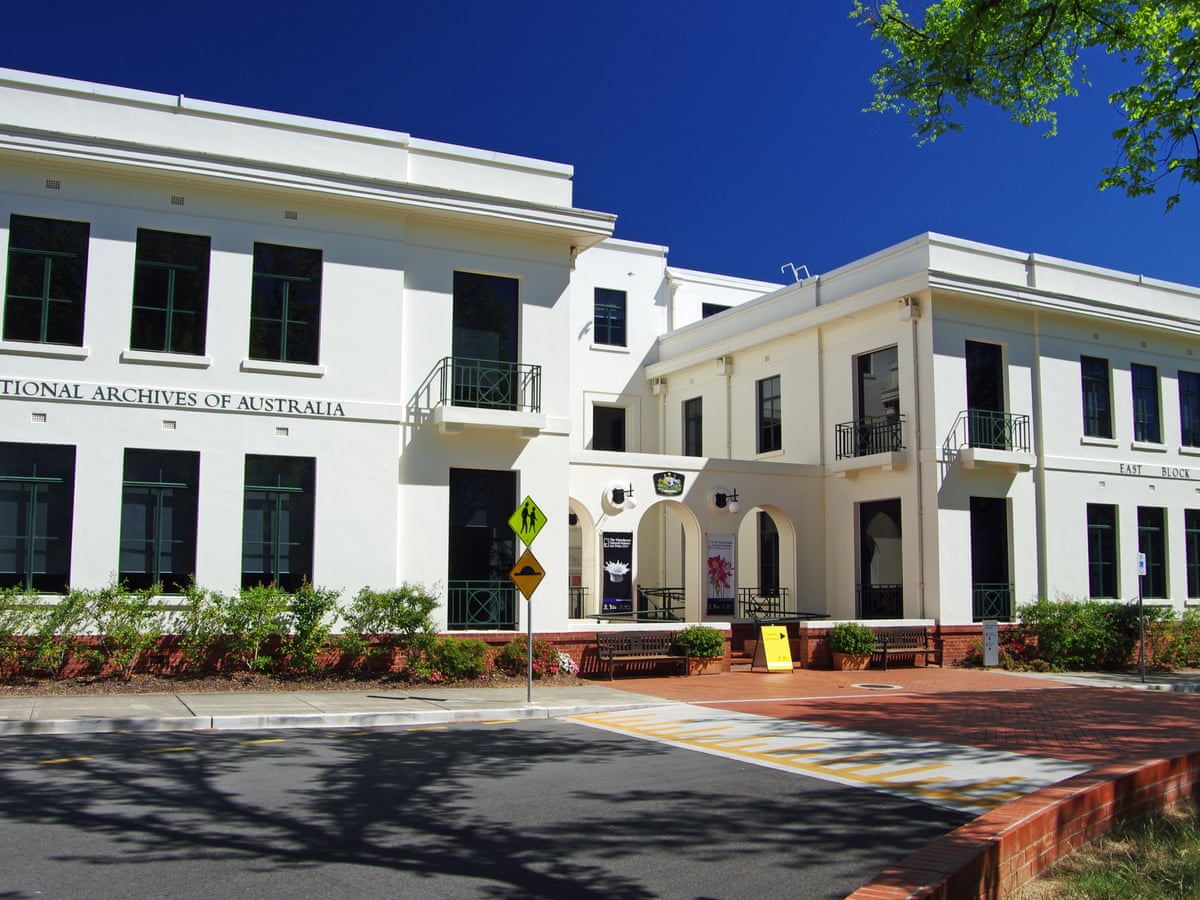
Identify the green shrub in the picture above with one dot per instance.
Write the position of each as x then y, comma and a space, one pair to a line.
379, 622
130, 624
309, 616
851, 637
56, 630
451, 659
1072, 635
513, 658
253, 616
17, 618
701, 642
201, 625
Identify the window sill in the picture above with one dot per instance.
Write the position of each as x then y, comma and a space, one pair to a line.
264, 366
151, 358
1148, 447
610, 348
1189, 451
1089, 441
769, 454
55, 351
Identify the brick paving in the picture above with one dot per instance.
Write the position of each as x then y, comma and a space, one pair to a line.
972, 707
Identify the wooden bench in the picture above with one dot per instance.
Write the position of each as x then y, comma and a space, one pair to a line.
636, 646
901, 640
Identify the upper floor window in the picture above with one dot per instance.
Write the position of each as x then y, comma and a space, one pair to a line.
47, 273
285, 304
158, 518
693, 427
1146, 426
170, 292
879, 384
1189, 409
711, 309
37, 496
610, 317
770, 415
1097, 408
608, 427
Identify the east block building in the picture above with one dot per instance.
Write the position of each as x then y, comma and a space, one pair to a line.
248, 347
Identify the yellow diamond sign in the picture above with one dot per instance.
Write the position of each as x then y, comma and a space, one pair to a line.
527, 574
527, 521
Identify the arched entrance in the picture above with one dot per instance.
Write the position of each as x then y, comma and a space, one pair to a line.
670, 561
582, 592
767, 576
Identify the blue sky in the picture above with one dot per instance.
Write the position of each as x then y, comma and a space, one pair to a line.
733, 133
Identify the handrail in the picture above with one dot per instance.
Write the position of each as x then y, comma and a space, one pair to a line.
482, 384
868, 436
987, 429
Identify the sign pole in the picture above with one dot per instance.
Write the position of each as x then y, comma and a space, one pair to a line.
1141, 618
529, 651
527, 574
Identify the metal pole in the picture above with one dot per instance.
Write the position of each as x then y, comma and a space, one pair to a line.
529, 651
1141, 633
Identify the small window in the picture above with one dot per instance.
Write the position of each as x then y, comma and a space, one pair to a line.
47, 274
770, 415
170, 292
693, 427
1102, 550
37, 496
608, 428
277, 521
1189, 409
158, 518
1152, 541
285, 304
610, 317
1097, 409
711, 309
1146, 426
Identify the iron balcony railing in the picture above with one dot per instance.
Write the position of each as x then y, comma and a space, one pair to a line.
992, 601
865, 437
481, 604
660, 604
578, 600
989, 430
483, 384
880, 601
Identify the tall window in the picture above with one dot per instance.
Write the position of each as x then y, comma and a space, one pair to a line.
47, 273
1097, 408
770, 415
1102, 550
693, 427
768, 555
608, 428
277, 521
170, 292
610, 317
878, 384
1189, 409
1152, 540
37, 494
158, 518
1191, 526
285, 304
1145, 404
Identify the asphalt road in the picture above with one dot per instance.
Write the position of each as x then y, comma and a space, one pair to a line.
531, 809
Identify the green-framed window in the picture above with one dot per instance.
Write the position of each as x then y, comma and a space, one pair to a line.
37, 496
277, 521
170, 292
1191, 527
1189, 409
1146, 424
693, 426
47, 277
770, 415
1097, 405
158, 518
1152, 541
1102, 550
285, 304
610, 317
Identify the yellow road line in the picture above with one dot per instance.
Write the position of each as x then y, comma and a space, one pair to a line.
265, 741
63, 759
170, 750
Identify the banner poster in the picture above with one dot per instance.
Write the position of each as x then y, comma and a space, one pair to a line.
720, 574
618, 571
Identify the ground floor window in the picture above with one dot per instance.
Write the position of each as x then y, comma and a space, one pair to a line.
37, 494
1102, 550
1191, 525
880, 560
158, 518
277, 521
991, 572
1152, 541
482, 552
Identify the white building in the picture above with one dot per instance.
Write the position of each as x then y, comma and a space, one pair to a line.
249, 347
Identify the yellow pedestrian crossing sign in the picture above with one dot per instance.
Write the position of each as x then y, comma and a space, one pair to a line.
527, 574
527, 521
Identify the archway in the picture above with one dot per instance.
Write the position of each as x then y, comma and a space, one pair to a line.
767, 576
582, 592
670, 559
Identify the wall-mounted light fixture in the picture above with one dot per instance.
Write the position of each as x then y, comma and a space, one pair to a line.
725, 500
619, 496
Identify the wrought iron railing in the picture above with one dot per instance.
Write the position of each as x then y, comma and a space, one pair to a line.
660, 604
482, 384
578, 601
874, 434
762, 602
992, 601
880, 601
481, 604
989, 430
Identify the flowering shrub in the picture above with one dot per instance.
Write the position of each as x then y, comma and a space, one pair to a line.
566, 665
512, 658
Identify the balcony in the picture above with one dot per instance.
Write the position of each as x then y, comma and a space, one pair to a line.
871, 442
481, 605
461, 393
983, 437
991, 601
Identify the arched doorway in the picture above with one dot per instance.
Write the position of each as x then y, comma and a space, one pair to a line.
767, 576
670, 561
582, 592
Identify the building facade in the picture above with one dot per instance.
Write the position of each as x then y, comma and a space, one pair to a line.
246, 347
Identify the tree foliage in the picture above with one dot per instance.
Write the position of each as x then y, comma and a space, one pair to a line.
1022, 55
